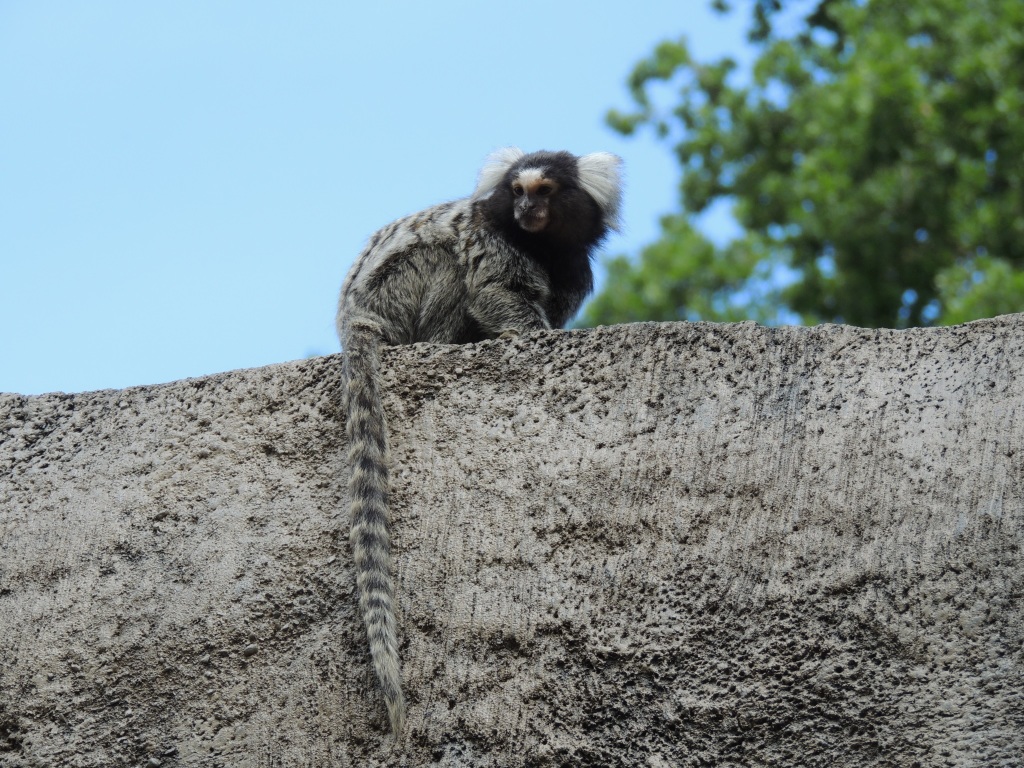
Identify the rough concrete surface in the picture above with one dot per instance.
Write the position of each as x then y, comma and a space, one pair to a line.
650, 545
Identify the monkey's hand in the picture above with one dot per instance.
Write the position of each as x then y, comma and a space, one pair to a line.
509, 333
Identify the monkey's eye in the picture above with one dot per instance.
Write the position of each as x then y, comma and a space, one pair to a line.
544, 190
517, 190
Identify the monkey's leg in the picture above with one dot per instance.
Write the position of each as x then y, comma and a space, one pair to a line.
499, 309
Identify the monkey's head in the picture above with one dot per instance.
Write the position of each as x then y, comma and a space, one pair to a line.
533, 190
552, 195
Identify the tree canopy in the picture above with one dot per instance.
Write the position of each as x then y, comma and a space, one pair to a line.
873, 155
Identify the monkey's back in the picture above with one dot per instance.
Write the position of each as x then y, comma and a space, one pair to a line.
410, 279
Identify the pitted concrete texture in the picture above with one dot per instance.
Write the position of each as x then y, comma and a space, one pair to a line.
648, 545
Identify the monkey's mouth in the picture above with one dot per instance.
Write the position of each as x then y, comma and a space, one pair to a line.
533, 221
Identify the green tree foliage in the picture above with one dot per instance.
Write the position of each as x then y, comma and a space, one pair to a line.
874, 158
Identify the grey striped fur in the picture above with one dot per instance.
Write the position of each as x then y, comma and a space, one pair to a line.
512, 258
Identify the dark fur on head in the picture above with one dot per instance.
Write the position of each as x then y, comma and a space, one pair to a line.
576, 218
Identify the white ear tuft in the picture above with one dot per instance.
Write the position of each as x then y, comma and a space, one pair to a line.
494, 170
600, 175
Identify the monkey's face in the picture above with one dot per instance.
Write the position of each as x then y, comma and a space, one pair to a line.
532, 193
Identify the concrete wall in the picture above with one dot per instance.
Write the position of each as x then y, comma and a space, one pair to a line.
648, 545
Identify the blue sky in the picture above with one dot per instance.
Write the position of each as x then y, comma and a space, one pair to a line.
183, 185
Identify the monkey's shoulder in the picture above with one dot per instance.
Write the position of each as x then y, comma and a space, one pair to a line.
437, 226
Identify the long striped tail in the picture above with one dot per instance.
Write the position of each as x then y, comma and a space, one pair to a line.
368, 489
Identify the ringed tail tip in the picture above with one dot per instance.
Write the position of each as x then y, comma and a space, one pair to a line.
396, 714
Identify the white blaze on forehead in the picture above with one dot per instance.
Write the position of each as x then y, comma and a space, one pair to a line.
532, 178
529, 177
